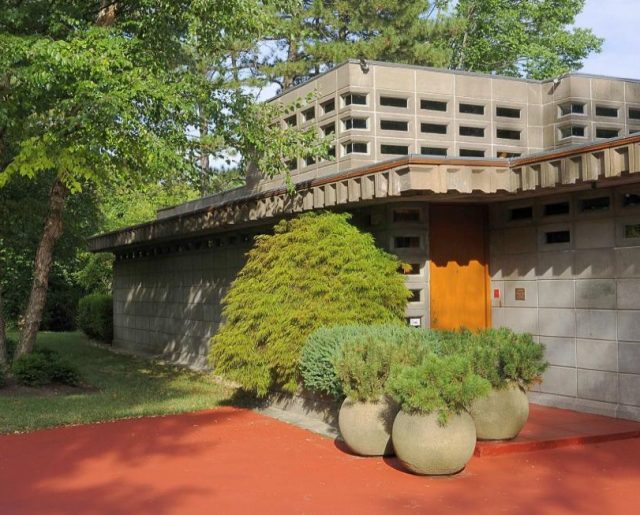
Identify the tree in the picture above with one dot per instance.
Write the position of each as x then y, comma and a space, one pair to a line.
104, 93
532, 38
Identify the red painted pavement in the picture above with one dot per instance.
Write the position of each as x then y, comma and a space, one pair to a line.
551, 428
235, 461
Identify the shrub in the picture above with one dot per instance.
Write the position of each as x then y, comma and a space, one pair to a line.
11, 345
44, 366
95, 316
444, 385
315, 270
323, 347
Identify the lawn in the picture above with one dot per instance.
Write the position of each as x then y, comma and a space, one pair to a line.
122, 387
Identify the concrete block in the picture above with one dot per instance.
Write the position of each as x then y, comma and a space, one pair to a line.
556, 294
530, 289
597, 354
560, 380
522, 320
597, 385
630, 389
556, 322
555, 265
596, 324
520, 240
596, 293
629, 357
629, 326
629, 294
515, 267
592, 264
559, 351
590, 234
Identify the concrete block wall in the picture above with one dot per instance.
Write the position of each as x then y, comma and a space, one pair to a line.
570, 275
169, 305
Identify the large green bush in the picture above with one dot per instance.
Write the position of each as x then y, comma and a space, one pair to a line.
324, 346
44, 366
95, 316
315, 270
444, 385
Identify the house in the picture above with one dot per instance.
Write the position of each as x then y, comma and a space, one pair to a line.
516, 203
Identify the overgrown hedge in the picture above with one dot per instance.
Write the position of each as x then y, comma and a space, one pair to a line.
315, 270
44, 366
95, 316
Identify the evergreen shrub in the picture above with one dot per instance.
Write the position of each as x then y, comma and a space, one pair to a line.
95, 316
323, 348
44, 366
315, 270
445, 385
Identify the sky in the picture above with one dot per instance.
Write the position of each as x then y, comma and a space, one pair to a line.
618, 22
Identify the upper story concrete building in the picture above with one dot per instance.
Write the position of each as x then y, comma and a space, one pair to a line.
378, 111
516, 203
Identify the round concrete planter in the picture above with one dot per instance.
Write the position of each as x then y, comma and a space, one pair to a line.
366, 426
428, 448
500, 415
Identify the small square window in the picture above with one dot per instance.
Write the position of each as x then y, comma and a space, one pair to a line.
508, 112
609, 112
394, 125
571, 108
332, 151
328, 129
508, 134
607, 133
594, 204
631, 200
309, 161
433, 128
415, 296
555, 237
329, 106
476, 132
406, 215
354, 99
402, 150
309, 114
471, 109
433, 151
354, 123
356, 148
291, 121
467, 152
433, 105
393, 102
406, 242
291, 164
557, 209
521, 213
632, 231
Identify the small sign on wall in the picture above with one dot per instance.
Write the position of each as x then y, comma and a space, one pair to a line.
414, 321
521, 294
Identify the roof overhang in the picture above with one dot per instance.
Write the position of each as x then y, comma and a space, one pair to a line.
608, 162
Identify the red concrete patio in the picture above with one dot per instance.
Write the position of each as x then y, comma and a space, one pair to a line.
235, 461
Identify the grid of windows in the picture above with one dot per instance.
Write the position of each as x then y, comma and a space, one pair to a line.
508, 134
469, 152
571, 108
521, 213
394, 102
471, 109
354, 123
309, 114
356, 147
555, 237
572, 130
433, 105
433, 151
433, 128
610, 112
329, 106
354, 99
607, 133
556, 209
394, 125
595, 204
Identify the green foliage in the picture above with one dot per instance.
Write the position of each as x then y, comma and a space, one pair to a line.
323, 348
499, 355
315, 270
12, 345
537, 39
95, 316
444, 385
42, 367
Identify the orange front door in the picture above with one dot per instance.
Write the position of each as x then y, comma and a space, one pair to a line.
458, 267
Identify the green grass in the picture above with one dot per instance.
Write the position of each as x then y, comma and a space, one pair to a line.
125, 387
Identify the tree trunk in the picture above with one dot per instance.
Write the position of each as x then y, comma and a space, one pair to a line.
4, 359
42, 266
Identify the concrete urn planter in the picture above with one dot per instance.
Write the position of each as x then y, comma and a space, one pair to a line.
366, 426
425, 447
500, 415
